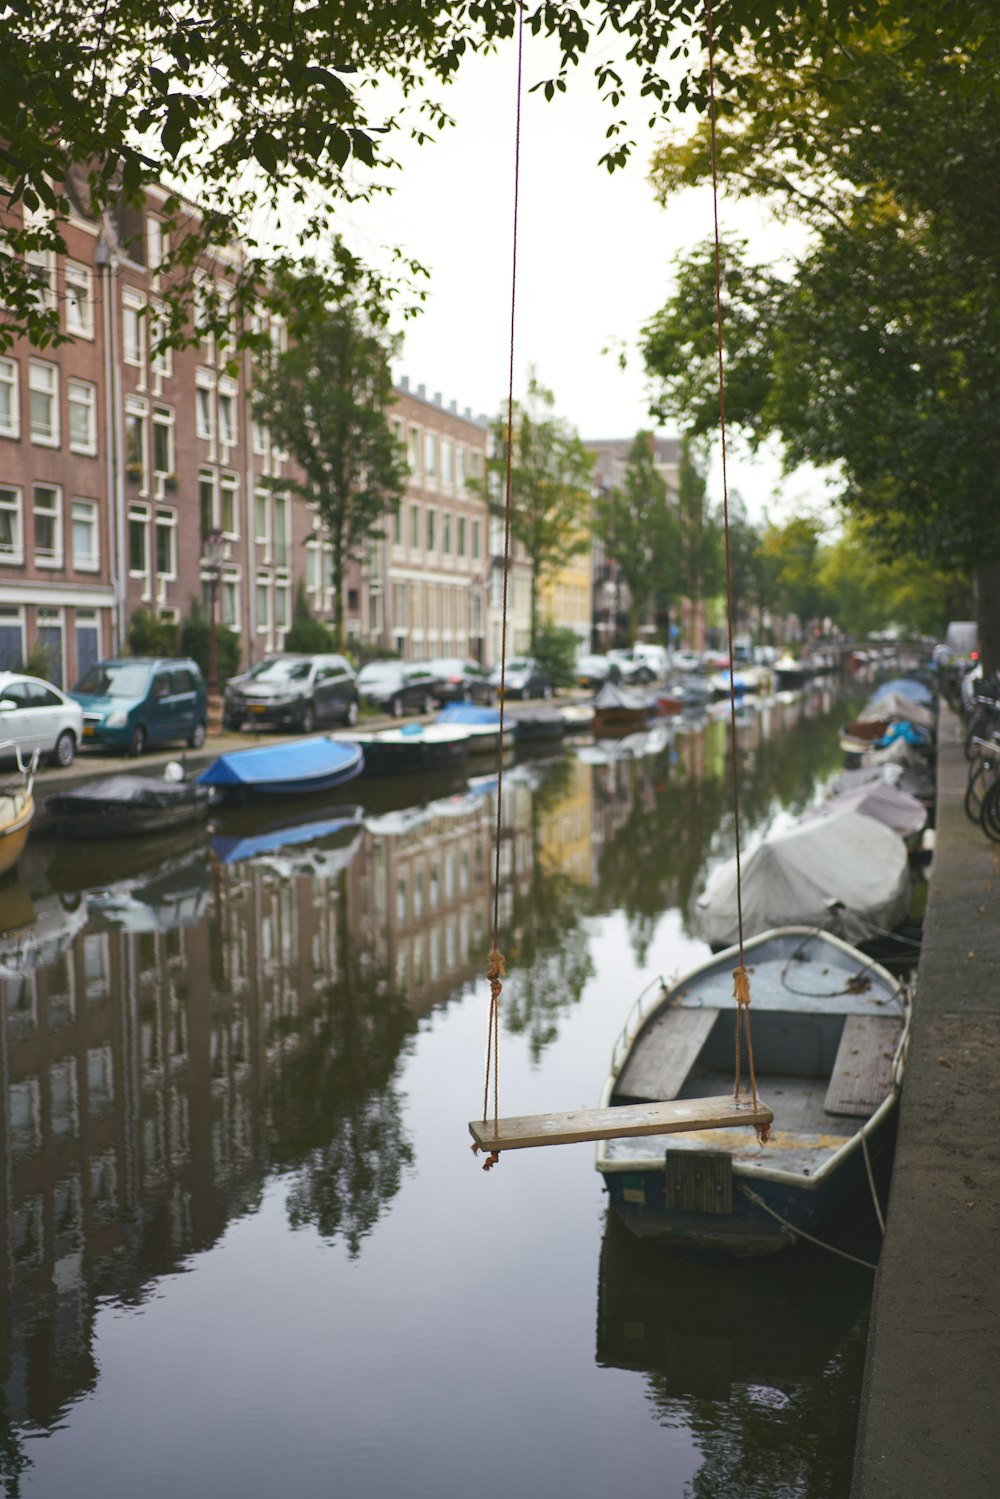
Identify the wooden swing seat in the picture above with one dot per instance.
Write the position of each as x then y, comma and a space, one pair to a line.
616, 1123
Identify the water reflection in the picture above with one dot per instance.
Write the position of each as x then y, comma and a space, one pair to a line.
178, 1027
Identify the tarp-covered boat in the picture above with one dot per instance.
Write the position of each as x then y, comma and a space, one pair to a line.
829, 1032
845, 873
297, 767
620, 710
482, 725
900, 811
122, 806
415, 749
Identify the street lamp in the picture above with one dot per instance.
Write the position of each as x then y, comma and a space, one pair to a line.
211, 564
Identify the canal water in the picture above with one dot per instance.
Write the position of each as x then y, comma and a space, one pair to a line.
246, 1248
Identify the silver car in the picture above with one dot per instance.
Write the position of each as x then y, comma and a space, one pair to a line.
34, 715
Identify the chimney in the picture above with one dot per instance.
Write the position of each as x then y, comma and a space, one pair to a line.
422, 392
437, 398
404, 382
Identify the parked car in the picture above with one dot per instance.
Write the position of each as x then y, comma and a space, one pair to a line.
594, 671
687, 661
458, 680
34, 715
525, 677
635, 669
398, 686
133, 702
293, 691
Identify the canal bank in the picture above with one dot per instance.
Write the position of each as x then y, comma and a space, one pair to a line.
930, 1424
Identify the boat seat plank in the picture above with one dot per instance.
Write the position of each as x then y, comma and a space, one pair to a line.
862, 1070
665, 1054
608, 1124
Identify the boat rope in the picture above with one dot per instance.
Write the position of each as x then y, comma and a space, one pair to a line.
741, 978
871, 1183
496, 963
800, 1232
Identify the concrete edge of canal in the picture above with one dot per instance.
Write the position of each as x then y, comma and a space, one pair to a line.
929, 1422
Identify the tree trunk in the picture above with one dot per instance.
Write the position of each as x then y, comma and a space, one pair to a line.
338, 596
988, 616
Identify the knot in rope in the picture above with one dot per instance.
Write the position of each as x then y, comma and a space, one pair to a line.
741, 985
495, 972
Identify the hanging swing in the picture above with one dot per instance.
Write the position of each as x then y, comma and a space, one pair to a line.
664, 1117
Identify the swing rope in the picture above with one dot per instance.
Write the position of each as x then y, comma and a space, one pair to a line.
496, 963
741, 978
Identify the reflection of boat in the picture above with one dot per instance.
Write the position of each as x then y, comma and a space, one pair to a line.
74, 865
482, 725
298, 767
123, 806
698, 1321
232, 844
829, 1030
17, 808
845, 873
178, 896
417, 748
789, 672
37, 941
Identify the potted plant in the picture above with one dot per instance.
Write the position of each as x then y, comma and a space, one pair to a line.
170, 481
134, 471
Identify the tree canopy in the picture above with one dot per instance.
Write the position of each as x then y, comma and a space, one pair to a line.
638, 529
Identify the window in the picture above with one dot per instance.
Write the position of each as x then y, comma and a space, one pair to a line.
133, 329
162, 359
41, 266
163, 441
228, 504
47, 506
11, 535
431, 518
166, 543
43, 383
460, 468
260, 516
280, 522
446, 535
263, 604
88, 641
83, 514
229, 597
430, 455
157, 244
10, 412
461, 536
138, 540
259, 432
135, 439
475, 540
413, 455
475, 463
206, 501
79, 300
227, 413
414, 526
281, 606
447, 471
204, 415
82, 398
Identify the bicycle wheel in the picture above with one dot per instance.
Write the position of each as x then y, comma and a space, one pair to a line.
989, 815
980, 779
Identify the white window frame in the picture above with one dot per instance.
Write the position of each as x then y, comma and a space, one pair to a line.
10, 377
263, 595
42, 268
229, 484
79, 299
138, 514
134, 305
228, 401
282, 602
208, 476
165, 521
204, 407
229, 600
14, 505
161, 363
162, 418
54, 556
261, 507
431, 458
157, 245
139, 408
92, 521
280, 540
39, 369
83, 395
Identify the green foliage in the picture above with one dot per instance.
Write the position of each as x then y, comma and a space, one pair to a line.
307, 633
556, 648
639, 529
700, 558
40, 662
549, 486
794, 553
149, 634
194, 643
324, 401
871, 594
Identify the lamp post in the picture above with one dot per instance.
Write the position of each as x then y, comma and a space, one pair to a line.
211, 562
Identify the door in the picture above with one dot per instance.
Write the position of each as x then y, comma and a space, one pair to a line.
161, 708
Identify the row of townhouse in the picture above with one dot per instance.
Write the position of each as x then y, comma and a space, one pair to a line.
117, 461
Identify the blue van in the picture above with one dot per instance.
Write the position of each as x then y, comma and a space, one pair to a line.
134, 702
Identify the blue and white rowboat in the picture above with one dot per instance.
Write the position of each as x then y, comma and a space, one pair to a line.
300, 767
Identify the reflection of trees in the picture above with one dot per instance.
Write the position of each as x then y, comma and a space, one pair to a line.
548, 954
14, 1461
332, 1111
768, 1443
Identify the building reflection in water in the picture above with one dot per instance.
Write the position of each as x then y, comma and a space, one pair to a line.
176, 1035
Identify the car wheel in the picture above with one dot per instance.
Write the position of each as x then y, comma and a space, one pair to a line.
429, 703
353, 712
197, 736
65, 749
396, 707
307, 720
137, 743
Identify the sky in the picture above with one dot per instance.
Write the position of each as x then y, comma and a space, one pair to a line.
594, 259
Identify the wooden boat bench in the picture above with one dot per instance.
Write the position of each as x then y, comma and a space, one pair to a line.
862, 1069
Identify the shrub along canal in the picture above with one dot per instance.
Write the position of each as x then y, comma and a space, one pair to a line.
246, 1247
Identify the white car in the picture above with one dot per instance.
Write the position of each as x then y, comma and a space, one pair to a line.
34, 715
687, 661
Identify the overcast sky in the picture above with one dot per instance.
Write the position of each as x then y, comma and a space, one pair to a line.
594, 259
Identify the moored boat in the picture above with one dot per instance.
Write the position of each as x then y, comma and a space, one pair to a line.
17, 808
619, 710
482, 726
124, 806
299, 767
829, 1038
415, 749
538, 726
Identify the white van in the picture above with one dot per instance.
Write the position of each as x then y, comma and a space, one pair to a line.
654, 655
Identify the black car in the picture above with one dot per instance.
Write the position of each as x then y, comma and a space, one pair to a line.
293, 692
524, 677
398, 686
458, 680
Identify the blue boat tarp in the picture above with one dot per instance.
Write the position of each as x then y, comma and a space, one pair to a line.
231, 850
911, 687
468, 713
300, 766
908, 732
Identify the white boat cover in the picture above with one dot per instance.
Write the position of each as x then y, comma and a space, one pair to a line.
895, 705
845, 874
916, 782
897, 809
896, 753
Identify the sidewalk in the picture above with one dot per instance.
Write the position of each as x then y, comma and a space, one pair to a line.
930, 1414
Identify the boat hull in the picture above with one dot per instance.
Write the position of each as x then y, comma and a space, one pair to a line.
305, 767
14, 835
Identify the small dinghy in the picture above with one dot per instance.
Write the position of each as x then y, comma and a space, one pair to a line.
829, 1040
482, 725
299, 767
415, 749
125, 806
